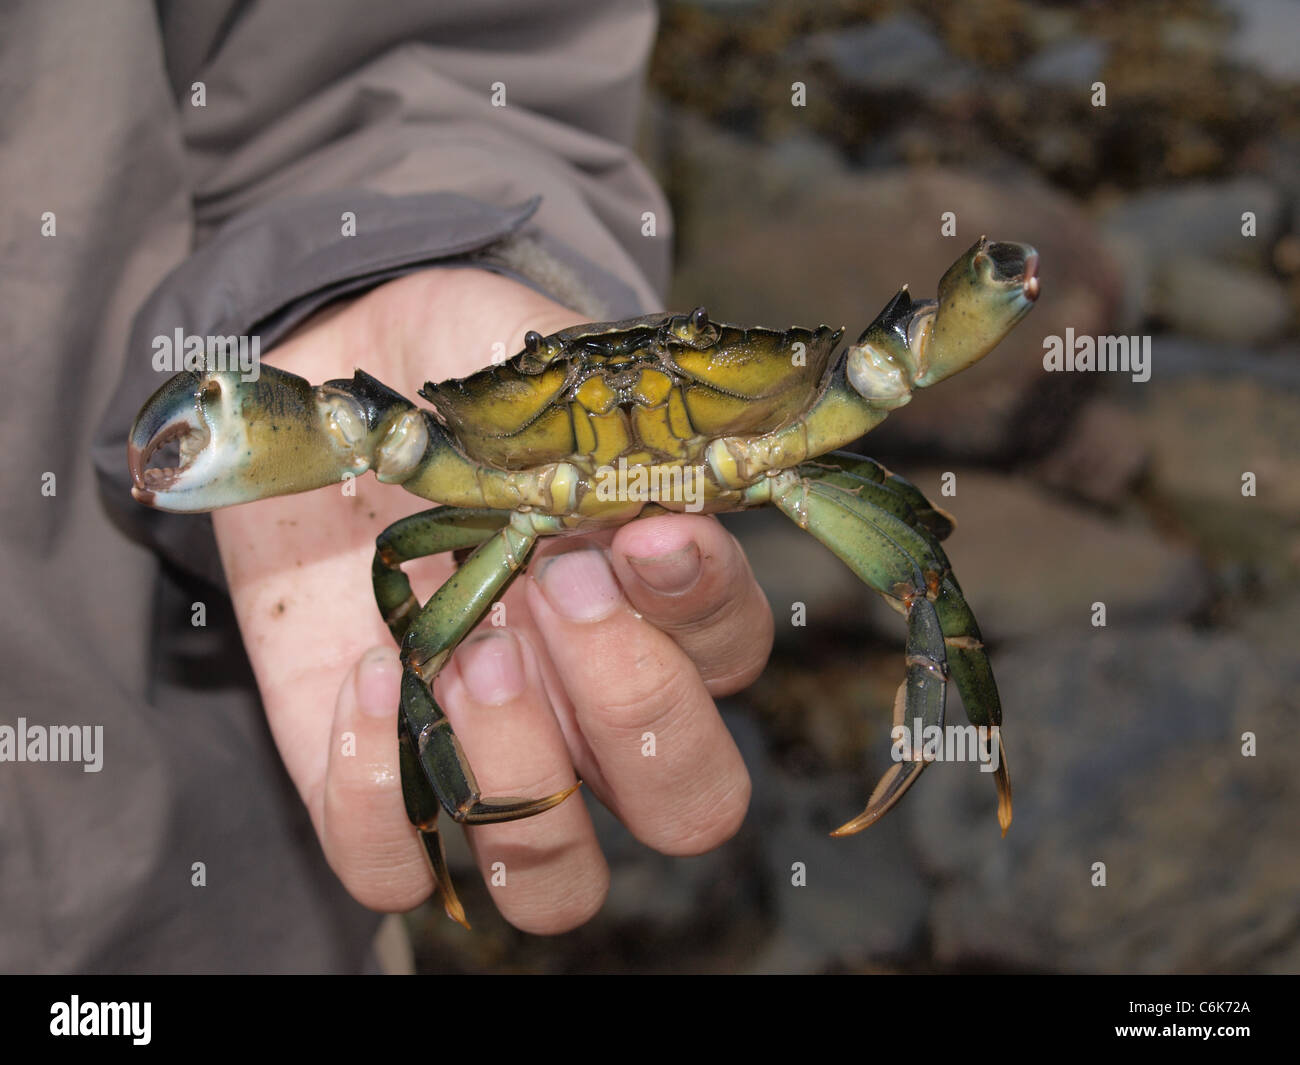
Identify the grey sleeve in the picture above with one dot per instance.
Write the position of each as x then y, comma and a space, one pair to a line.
333, 148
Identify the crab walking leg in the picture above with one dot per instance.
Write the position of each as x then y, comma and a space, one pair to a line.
431, 532
435, 771
444, 621
968, 661
886, 565
850, 470
422, 812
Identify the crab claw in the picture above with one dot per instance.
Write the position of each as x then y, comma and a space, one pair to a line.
914, 343
241, 440
981, 297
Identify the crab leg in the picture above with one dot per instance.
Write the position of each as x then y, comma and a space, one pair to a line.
886, 565
434, 768
868, 478
968, 662
431, 532
860, 522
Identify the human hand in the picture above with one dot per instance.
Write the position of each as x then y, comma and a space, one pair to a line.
609, 636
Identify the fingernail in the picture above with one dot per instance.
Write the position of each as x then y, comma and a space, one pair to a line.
673, 572
492, 667
579, 585
378, 677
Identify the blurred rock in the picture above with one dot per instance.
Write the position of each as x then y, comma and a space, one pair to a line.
1177, 356
1138, 269
1029, 563
1266, 37
896, 53
1072, 64
1125, 747
1202, 219
1221, 301
1204, 434
762, 244
1049, 26
1199, 39
863, 900
1100, 457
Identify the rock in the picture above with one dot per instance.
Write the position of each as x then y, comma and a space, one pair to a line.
775, 247
1197, 39
1221, 301
1048, 26
1101, 456
1265, 37
1072, 64
1029, 563
863, 901
1179, 357
896, 53
1201, 219
1137, 267
1205, 433
1125, 747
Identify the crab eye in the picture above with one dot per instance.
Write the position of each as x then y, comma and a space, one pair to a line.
532, 342
700, 319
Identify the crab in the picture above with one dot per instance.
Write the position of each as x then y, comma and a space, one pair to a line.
595, 426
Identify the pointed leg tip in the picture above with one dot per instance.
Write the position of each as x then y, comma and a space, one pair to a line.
865, 819
457, 914
496, 811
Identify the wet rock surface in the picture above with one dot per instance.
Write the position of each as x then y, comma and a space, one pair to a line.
1126, 749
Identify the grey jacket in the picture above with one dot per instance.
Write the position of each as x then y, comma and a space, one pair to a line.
185, 166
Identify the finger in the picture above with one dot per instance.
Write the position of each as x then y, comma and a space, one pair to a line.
670, 767
688, 576
546, 873
367, 838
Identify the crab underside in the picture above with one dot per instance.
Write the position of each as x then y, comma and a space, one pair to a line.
597, 425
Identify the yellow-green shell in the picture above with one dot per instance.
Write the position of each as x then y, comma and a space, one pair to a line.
648, 390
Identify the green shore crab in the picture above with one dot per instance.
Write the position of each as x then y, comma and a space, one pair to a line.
715, 417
